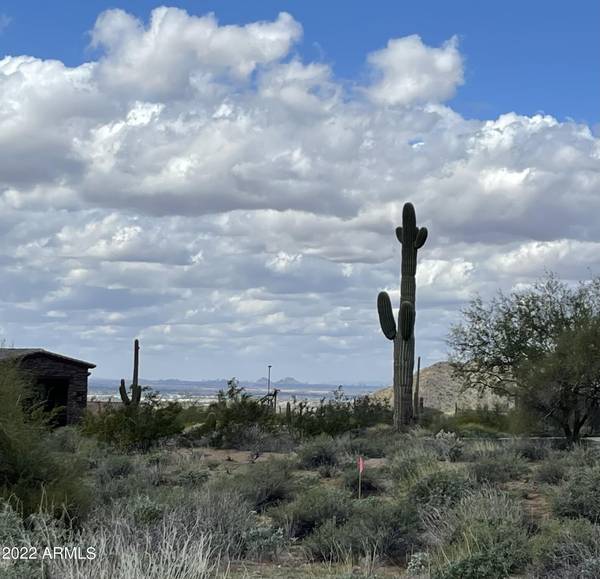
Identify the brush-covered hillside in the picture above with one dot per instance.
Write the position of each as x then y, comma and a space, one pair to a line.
442, 391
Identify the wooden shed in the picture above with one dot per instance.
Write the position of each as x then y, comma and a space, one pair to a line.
57, 380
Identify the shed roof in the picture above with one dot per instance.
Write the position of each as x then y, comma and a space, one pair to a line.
15, 353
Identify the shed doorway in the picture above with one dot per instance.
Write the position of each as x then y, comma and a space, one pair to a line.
55, 395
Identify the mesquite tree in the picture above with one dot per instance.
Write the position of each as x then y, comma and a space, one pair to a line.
136, 389
412, 238
539, 346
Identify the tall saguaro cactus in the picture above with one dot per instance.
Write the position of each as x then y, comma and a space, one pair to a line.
412, 239
136, 389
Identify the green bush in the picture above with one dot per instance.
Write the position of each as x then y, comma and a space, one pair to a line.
473, 430
312, 508
372, 443
550, 472
441, 488
337, 415
448, 446
376, 528
412, 461
262, 484
320, 451
566, 548
135, 426
487, 562
498, 466
532, 450
483, 536
477, 422
577, 457
579, 496
114, 466
237, 420
372, 481
32, 470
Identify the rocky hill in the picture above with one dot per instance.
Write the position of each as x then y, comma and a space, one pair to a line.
440, 390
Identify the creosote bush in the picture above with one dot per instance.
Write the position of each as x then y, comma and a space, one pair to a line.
323, 450
498, 466
237, 420
441, 488
567, 548
336, 415
376, 528
579, 496
312, 508
532, 450
372, 481
262, 484
483, 536
412, 461
133, 427
550, 472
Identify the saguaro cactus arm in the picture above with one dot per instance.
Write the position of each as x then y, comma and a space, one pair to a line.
123, 393
386, 315
421, 237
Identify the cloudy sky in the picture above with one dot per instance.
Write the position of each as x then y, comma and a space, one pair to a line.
223, 180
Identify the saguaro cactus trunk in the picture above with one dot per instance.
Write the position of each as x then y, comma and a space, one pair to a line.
136, 389
416, 404
412, 238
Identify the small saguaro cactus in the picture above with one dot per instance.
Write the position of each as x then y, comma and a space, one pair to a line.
136, 389
412, 239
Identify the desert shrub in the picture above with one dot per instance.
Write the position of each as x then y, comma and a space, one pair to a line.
328, 471
192, 477
579, 496
486, 562
418, 564
448, 446
135, 426
320, 451
312, 508
264, 542
478, 422
237, 420
473, 430
441, 489
336, 415
412, 461
372, 481
219, 513
262, 484
498, 466
376, 528
577, 457
373, 444
186, 541
146, 511
475, 449
566, 549
550, 472
114, 466
483, 536
532, 450
32, 470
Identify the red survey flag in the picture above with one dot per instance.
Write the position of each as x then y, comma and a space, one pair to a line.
361, 464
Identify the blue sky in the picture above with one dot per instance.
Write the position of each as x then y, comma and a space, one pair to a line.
226, 189
537, 55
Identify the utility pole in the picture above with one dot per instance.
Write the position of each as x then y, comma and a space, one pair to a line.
269, 380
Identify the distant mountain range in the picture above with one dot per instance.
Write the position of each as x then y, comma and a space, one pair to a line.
288, 386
